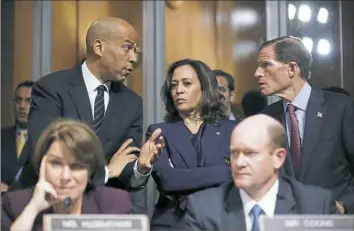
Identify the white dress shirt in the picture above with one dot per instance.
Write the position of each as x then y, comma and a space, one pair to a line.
92, 83
267, 203
300, 102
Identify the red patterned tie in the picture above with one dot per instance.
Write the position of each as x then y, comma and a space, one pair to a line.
295, 145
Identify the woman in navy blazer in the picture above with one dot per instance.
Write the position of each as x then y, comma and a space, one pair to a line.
197, 136
68, 155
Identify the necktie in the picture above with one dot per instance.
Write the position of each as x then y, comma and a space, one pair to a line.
295, 145
99, 108
21, 140
256, 211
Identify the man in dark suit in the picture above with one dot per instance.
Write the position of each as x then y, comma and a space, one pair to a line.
14, 138
319, 124
258, 150
94, 93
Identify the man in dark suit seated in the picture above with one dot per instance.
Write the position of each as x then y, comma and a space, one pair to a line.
258, 150
14, 138
93, 92
319, 124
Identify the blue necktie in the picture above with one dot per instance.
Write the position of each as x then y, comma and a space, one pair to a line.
256, 211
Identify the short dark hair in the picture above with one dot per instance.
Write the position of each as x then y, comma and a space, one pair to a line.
291, 49
26, 83
80, 140
230, 80
211, 107
253, 102
337, 90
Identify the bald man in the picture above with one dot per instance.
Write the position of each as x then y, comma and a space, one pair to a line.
258, 150
93, 92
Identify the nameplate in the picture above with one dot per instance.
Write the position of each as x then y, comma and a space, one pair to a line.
307, 223
60, 222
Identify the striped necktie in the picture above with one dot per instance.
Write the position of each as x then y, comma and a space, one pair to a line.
99, 107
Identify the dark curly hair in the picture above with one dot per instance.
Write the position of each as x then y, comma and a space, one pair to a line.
211, 108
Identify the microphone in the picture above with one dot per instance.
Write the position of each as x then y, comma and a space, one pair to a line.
67, 203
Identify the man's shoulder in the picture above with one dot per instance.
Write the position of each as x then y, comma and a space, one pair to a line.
273, 108
310, 192
335, 98
59, 78
128, 92
7, 130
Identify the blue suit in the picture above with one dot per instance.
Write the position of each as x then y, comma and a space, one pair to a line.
180, 171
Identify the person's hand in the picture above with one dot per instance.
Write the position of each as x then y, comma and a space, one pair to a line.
4, 187
44, 194
150, 151
340, 207
121, 158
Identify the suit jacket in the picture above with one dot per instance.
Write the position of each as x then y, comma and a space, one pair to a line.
177, 172
221, 208
96, 201
10, 165
64, 94
327, 154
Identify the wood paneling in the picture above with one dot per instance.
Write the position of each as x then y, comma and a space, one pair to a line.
204, 30
19, 14
64, 35
190, 32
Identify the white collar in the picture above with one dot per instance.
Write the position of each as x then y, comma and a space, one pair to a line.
267, 203
91, 81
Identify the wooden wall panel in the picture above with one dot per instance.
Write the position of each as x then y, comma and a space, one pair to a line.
190, 32
21, 51
64, 35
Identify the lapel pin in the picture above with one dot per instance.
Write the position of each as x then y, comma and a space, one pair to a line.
319, 114
218, 133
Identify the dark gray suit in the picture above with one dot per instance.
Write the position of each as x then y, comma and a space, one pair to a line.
327, 154
63, 94
221, 208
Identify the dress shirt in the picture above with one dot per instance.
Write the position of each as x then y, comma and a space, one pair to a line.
92, 83
267, 203
300, 102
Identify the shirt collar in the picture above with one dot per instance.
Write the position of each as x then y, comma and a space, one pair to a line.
91, 81
267, 203
18, 130
301, 100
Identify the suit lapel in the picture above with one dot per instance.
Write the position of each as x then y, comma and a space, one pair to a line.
79, 95
313, 123
12, 144
285, 201
114, 114
234, 220
180, 139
